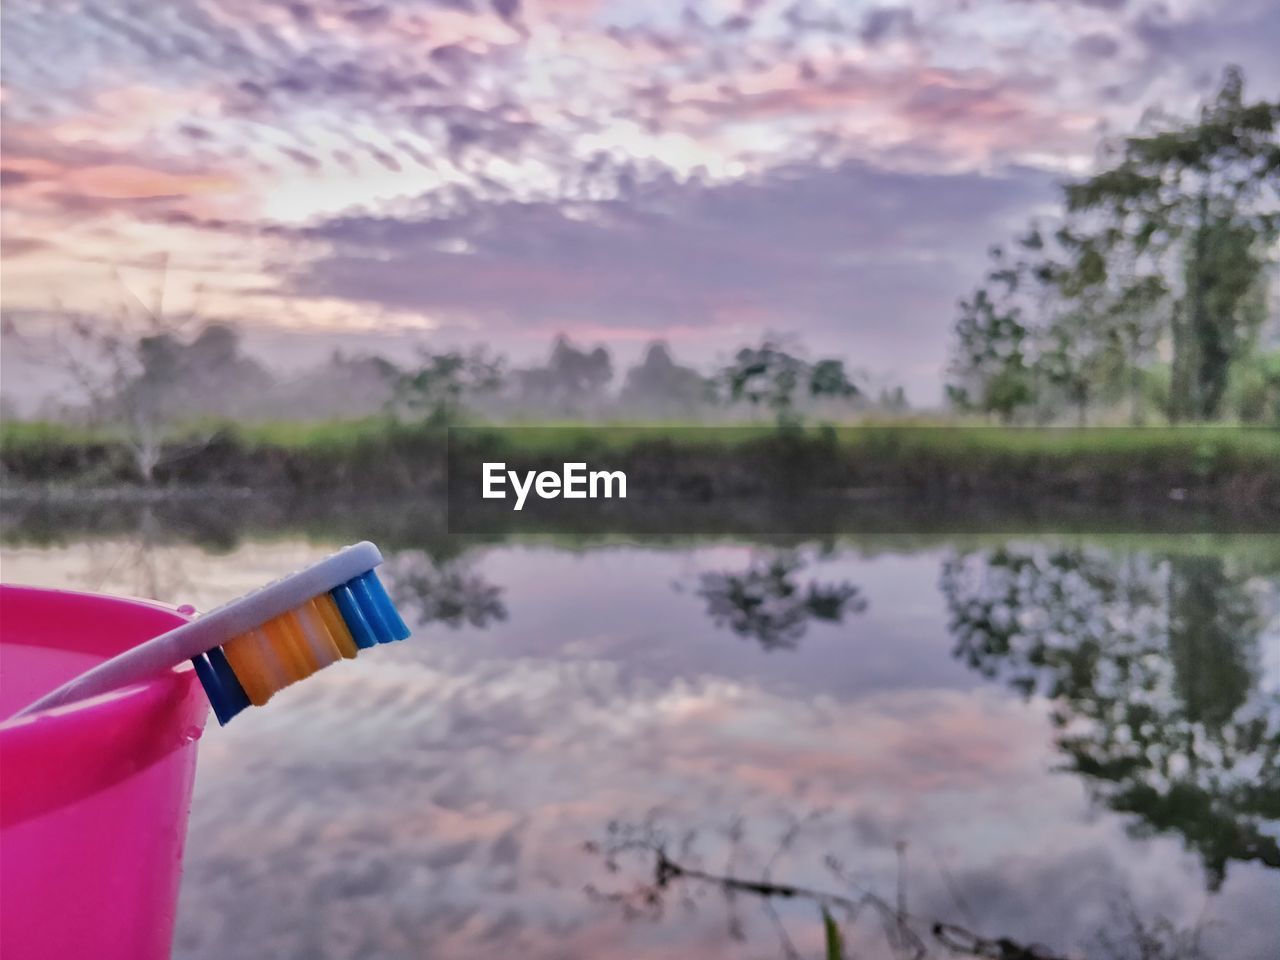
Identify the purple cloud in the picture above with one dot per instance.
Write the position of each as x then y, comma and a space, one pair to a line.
864, 261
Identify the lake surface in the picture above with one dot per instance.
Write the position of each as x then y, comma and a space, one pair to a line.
1065, 741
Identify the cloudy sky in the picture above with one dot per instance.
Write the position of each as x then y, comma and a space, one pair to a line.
502, 170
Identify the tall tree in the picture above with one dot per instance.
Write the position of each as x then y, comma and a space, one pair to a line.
1171, 243
1201, 202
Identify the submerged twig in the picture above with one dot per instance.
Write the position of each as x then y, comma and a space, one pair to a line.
901, 927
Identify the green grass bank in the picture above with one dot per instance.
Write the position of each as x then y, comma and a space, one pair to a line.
1233, 468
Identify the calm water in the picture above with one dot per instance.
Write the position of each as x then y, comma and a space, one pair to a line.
1070, 742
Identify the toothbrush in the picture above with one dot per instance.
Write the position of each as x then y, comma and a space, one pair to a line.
246, 650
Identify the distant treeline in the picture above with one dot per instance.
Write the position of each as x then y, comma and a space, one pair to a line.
168, 375
147, 388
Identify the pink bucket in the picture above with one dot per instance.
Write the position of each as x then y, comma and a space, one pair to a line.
94, 795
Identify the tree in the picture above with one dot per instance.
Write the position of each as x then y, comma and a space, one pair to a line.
207, 376
137, 374
658, 383
893, 399
437, 390
770, 376
1171, 243
1198, 203
1092, 327
828, 378
343, 386
992, 370
1254, 391
1053, 327
571, 379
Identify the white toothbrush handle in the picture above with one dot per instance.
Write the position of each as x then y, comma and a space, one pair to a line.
214, 628
133, 666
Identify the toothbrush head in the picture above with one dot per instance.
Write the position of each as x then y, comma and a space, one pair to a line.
296, 626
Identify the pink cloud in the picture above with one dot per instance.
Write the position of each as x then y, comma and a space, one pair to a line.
45, 174
971, 114
12, 247
134, 182
937, 742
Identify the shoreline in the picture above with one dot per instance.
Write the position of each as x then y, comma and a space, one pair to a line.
1232, 469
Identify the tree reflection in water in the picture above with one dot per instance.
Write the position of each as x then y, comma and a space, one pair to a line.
139, 564
442, 590
1152, 665
768, 603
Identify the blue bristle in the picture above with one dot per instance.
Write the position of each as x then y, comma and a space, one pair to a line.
398, 629
225, 694
369, 607
349, 607
212, 689
230, 683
